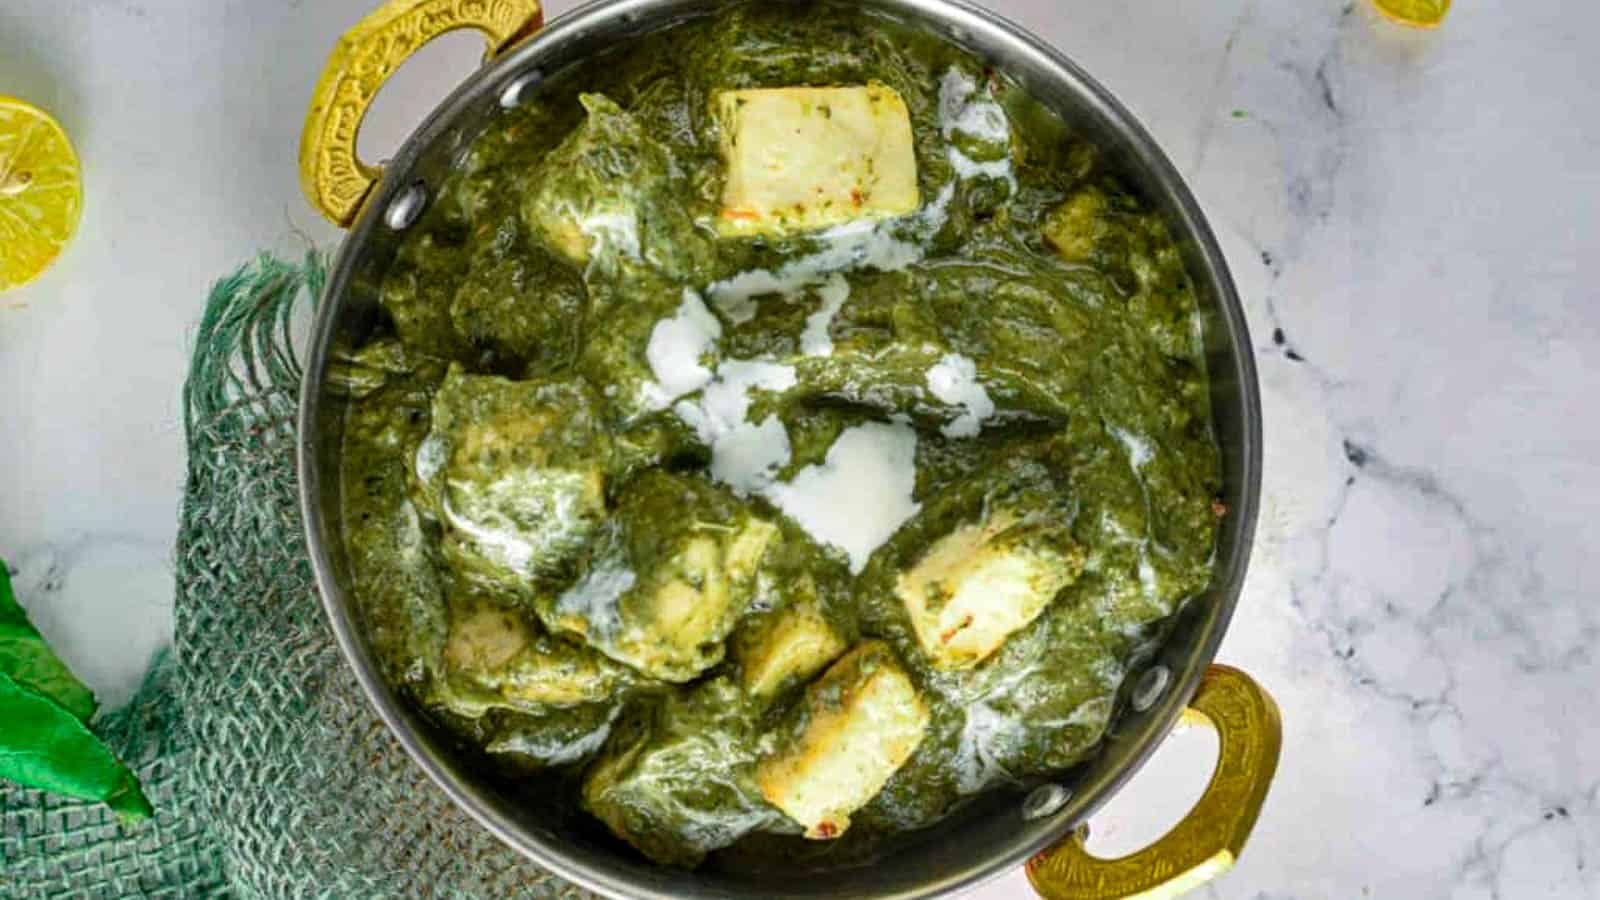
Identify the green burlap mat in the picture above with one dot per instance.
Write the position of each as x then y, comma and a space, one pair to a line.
270, 774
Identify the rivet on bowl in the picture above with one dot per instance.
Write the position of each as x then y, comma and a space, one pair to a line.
1149, 687
519, 88
406, 207
1044, 800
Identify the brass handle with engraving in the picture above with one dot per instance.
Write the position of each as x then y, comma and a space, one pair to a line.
1209, 839
332, 176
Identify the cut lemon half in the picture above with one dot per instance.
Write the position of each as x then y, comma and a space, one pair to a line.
1419, 13
40, 192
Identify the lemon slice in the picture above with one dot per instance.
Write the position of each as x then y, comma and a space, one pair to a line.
40, 192
1419, 13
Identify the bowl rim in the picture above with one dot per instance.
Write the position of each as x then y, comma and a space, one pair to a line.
962, 16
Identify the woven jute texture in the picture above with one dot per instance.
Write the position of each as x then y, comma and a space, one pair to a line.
271, 775
59, 847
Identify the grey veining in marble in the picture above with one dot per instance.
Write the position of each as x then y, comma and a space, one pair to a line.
1412, 220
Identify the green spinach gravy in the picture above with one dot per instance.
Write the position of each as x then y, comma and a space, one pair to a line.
780, 432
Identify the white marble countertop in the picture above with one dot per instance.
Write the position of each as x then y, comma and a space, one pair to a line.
1411, 220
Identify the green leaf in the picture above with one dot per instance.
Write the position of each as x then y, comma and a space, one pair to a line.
29, 661
45, 746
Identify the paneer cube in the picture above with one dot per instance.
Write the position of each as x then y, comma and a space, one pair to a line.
858, 725
1075, 227
788, 645
514, 472
496, 660
982, 582
588, 197
485, 639
675, 574
803, 158
612, 194
612, 199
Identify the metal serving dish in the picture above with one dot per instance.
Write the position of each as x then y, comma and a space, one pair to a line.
999, 831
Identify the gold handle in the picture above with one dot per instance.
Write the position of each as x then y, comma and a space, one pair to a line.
1209, 839
333, 178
